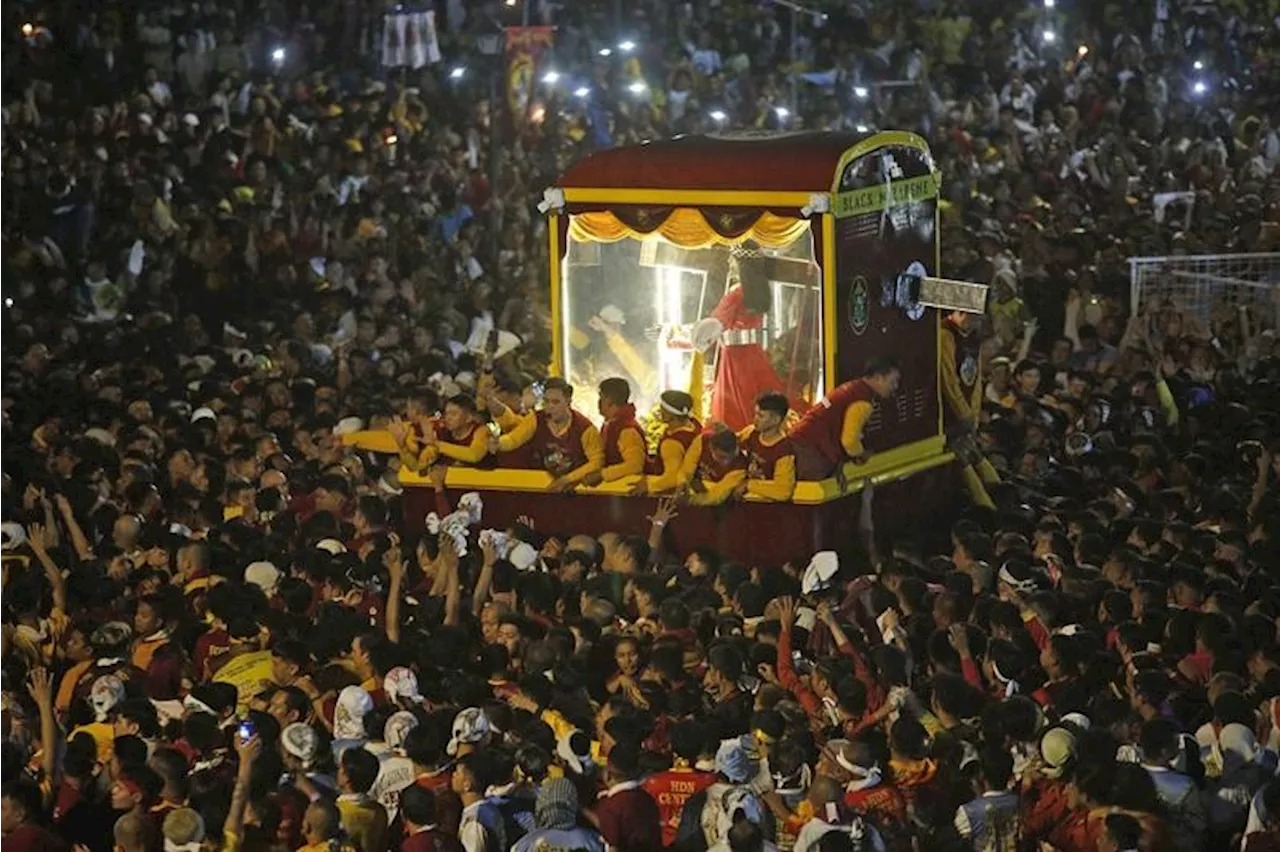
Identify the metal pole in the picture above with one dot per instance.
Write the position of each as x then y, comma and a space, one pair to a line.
525, 12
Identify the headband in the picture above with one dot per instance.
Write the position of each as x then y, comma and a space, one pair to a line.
1011, 686
1006, 577
671, 409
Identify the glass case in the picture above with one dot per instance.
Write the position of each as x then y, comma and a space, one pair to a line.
724, 323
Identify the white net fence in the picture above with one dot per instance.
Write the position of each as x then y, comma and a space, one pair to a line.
1200, 285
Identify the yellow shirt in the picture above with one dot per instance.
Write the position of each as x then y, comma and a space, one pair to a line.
631, 448
472, 452
717, 492
782, 484
965, 409
365, 822
855, 419
526, 426
104, 736
249, 673
678, 462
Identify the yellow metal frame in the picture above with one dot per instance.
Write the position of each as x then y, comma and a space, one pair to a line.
829, 318
889, 466
557, 334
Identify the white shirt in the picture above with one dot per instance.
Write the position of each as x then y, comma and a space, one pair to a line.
472, 834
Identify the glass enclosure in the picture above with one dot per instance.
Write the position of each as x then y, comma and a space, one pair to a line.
722, 323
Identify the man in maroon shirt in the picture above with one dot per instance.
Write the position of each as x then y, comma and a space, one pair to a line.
20, 811
626, 815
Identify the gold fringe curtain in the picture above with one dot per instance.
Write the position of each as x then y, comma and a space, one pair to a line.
688, 228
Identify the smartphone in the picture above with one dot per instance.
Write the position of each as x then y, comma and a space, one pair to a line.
246, 731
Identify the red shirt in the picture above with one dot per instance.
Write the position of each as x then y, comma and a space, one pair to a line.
560, 454
30, 837
448, 805
671, 790
821, 426
209, 645
612, 430
762, 458
430, 840
629, 819
711, 470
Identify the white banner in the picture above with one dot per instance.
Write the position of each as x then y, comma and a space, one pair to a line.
409, 40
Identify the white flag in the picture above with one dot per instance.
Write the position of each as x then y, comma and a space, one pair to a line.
388, 41
415, 52
431, 38
402, 27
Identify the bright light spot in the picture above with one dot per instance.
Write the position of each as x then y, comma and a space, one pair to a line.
604, 51
860, 92
637, 88
1082, 51
392, 139
1049, 4
511, 2
277, 55
1049, 36
582, 91
551, 77
457, 73
1198, 65
27, 30
781, 112
862, 128
718, 115
539, 113
627, 46
8, 303
1200, 87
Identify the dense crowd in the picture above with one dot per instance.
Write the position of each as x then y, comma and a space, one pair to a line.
232, 238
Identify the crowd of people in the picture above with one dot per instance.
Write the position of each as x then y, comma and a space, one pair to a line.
231, 238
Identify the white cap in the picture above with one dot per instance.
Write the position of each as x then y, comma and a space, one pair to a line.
398, 727
190, 119
348, 426
469, 726
264, 575
203, 413
12, 535
331, 546
822, 567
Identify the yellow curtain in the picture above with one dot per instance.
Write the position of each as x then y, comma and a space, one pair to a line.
687, 228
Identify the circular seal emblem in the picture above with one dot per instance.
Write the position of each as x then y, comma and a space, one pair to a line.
914, 309
969, 370
859, 306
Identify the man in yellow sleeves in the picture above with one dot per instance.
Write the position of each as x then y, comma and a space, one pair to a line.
624, 452
463, 440
960, 371
563, 442
771, 457
721, 468
679, 449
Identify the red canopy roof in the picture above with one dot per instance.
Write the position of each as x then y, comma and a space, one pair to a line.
773, 162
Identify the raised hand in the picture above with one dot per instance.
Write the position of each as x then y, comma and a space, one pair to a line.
40, 686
